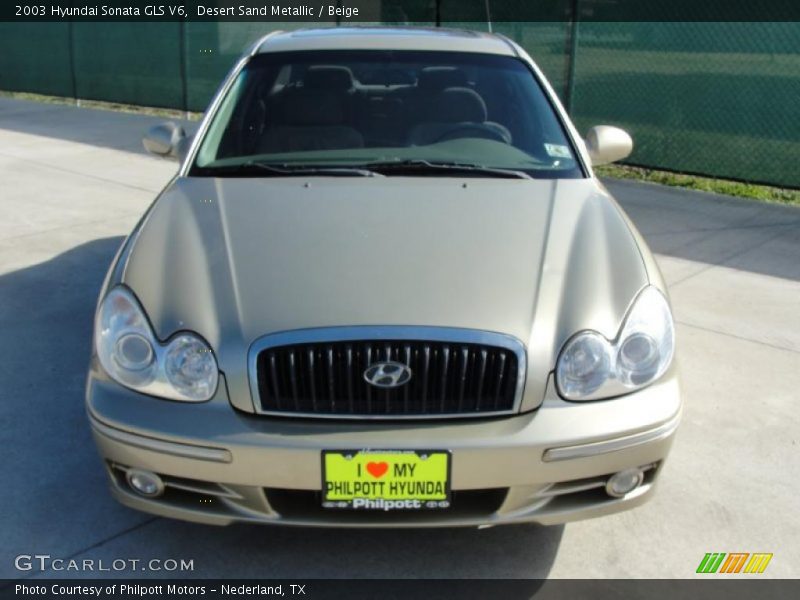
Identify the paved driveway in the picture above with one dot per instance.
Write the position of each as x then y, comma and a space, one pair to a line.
74, 181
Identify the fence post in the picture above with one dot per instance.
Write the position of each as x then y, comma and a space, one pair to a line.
182, 62
573, 56
71, 54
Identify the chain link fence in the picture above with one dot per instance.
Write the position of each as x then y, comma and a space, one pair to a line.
713, 98
719, 99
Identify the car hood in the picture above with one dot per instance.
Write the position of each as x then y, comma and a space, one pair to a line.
238, 258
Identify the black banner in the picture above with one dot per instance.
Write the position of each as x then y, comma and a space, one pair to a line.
397, 11
715, 587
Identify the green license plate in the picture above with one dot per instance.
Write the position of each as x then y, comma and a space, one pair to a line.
386, 479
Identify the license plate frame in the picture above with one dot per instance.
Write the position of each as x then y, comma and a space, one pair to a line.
380, 498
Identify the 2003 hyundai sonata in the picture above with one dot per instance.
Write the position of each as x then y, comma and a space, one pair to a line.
384, 289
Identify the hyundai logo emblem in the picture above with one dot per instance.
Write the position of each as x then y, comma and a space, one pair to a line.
387, 374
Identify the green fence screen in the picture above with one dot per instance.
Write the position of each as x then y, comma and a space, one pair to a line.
713, 98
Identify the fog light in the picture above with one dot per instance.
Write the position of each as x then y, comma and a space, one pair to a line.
145, 483
624, 482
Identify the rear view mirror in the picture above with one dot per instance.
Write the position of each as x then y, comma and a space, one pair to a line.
607, 144
167, 140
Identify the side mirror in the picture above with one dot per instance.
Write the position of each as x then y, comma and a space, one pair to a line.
167, 140
607, 144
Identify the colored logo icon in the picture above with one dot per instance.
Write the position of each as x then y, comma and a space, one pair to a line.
734, 562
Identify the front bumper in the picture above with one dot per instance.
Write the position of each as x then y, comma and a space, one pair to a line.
221, 465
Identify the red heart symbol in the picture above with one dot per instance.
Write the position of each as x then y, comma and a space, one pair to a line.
377, 469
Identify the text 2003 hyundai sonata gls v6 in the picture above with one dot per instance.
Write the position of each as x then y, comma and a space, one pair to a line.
384, 288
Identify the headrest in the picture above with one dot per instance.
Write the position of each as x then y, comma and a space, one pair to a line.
323, 77
458, 105
387, 77
314, 110
439, 78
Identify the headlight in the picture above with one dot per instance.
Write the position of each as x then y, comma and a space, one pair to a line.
190, 367
591, 367
182, 369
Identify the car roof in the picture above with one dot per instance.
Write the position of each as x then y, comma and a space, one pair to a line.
386, 38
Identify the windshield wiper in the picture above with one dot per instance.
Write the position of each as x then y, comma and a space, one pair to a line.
370, 169
421, 167
288, 170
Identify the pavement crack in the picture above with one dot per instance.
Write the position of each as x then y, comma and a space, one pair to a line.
118, 216
738, 337
724, 229
722, 262
78, 173
119, 534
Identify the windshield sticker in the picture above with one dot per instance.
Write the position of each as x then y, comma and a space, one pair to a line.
558, 151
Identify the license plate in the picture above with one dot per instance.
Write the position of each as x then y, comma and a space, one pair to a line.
386, 479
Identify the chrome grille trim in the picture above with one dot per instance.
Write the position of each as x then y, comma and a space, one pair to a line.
386, 333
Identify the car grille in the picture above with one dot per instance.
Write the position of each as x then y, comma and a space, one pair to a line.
326, 378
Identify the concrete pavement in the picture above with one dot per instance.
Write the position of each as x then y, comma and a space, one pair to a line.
74, 181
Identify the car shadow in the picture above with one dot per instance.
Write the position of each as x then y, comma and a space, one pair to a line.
701, 227
505, 552
524, 551
60, 502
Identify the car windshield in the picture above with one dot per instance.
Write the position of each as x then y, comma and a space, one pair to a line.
389, 113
